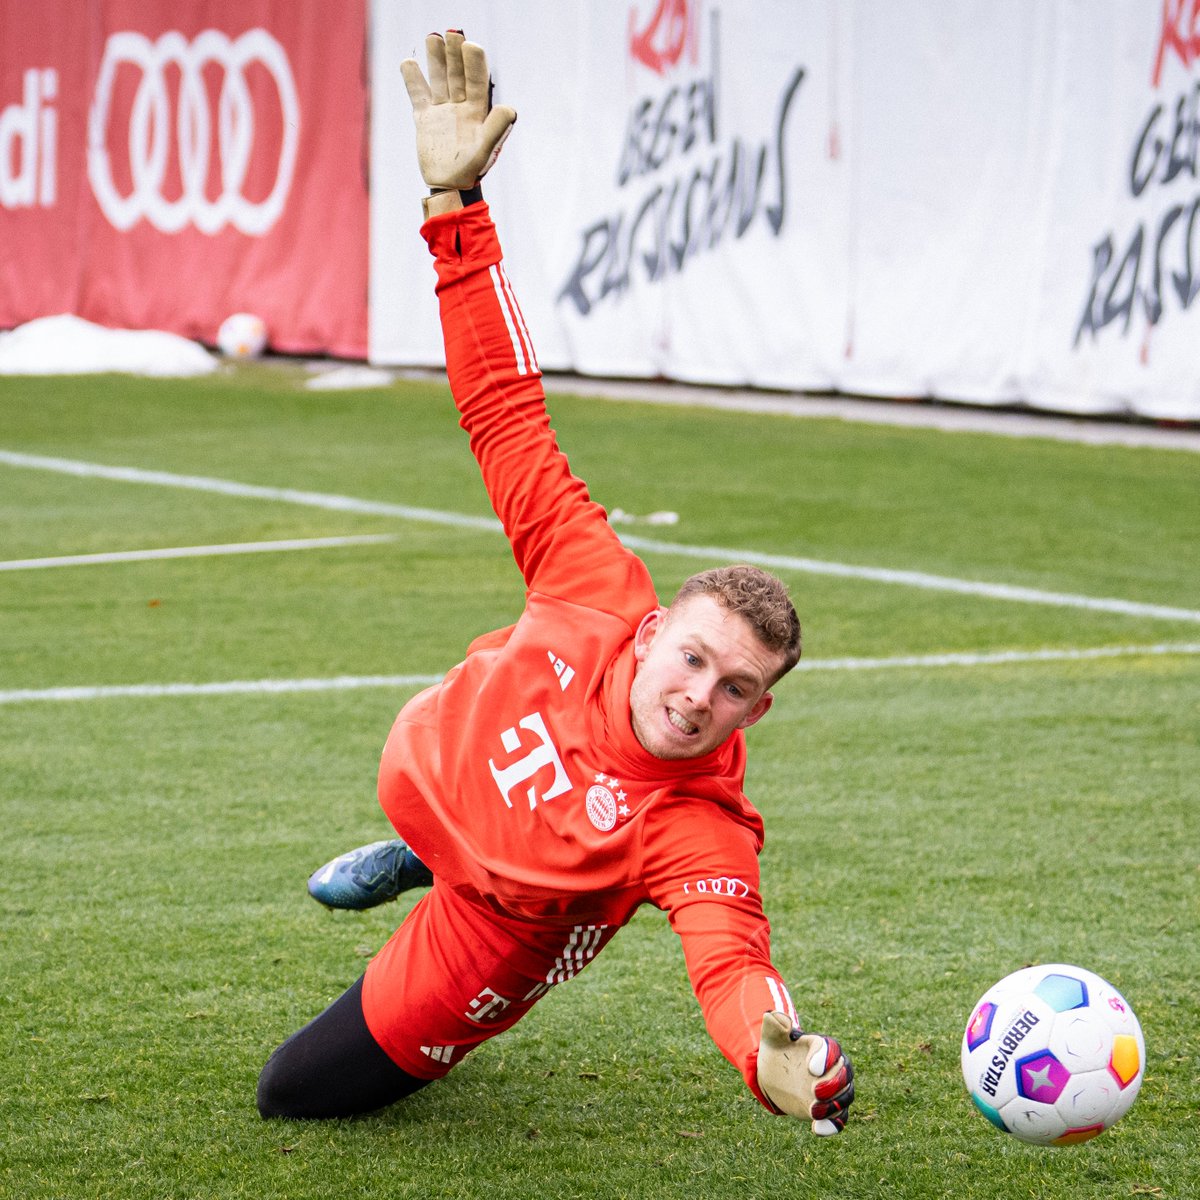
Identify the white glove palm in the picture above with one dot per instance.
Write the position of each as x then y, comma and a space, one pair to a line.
459, 134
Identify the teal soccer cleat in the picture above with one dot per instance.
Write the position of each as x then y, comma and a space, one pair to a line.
368, 876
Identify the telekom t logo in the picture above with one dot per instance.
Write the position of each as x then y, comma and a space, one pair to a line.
543, 754
29, 143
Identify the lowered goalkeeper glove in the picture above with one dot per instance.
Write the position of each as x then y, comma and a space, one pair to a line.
459, 133
804, 1074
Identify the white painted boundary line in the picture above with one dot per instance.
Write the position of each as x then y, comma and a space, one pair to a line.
247, 687
918, 579
998, 657
339, 683
226, 487
118, 556
991, 591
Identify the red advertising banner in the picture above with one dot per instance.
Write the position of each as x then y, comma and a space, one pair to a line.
164, 165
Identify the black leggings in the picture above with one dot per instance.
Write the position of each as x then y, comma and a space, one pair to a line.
332, 1067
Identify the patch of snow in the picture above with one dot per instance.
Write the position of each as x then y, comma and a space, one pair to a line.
69, 345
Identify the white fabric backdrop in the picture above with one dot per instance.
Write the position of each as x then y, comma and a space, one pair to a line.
886, 197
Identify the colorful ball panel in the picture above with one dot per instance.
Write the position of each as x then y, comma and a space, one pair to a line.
1074, 1136
1041, 1077
1126, 1062
1062, 992
979, 1029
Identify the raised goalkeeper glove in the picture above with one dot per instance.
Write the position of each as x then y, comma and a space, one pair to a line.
459, 133
804, 1074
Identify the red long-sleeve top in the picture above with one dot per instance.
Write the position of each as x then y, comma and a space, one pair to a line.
518, 779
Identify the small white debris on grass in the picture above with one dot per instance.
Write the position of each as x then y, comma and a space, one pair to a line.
619, 516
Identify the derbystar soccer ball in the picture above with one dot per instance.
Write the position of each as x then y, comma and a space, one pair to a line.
1053, 1055
242, 335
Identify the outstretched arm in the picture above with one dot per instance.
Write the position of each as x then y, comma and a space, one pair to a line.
562, 541
706, 878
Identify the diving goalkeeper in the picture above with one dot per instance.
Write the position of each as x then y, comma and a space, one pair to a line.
573, 767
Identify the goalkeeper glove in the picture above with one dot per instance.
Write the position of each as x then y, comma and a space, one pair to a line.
804, 1074
459, 133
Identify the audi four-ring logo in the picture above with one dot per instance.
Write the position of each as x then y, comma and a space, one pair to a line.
150, 131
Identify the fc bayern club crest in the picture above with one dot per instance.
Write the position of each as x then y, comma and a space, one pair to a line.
605, 803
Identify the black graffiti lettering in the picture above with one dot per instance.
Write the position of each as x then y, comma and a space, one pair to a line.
1184, 139
660, 129
702, 113
776, 213
615, 278
1140, 174
743, 188
700, 221
671, 225
671, 253
1155, 159
596, 243
680, 241
1121, 291
745, 181
647, 234
1160, 156
707, 207
705, 231
1153, 297
1120, 286
1115, 307
611, 246
637, 129
1187, 286
1102, 253
689, 215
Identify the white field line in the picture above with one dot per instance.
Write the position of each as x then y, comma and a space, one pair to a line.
999, 657
348, 682
227, 487
246, 687
917, 579
118, 556
777, 562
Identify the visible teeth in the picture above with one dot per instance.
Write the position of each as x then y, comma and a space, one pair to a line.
682, 725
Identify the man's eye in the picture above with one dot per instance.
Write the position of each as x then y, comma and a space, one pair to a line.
691, 659
735, 691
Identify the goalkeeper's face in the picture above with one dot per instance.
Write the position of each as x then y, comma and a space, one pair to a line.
702, 672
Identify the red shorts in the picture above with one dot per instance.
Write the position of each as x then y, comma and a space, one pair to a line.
456, 973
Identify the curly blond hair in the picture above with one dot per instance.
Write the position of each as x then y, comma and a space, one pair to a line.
759, 598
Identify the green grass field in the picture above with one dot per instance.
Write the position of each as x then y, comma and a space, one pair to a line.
931, 827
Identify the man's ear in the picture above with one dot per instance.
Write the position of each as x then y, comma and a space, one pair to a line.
650, 624
758, 711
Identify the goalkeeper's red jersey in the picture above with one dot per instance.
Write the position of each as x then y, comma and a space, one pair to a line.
518, 779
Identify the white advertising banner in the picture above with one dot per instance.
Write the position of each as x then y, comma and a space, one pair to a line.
985, 203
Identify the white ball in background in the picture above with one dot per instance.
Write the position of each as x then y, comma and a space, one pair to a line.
242, 335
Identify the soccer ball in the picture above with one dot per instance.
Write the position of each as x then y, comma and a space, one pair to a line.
242, 335
1053, 1055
